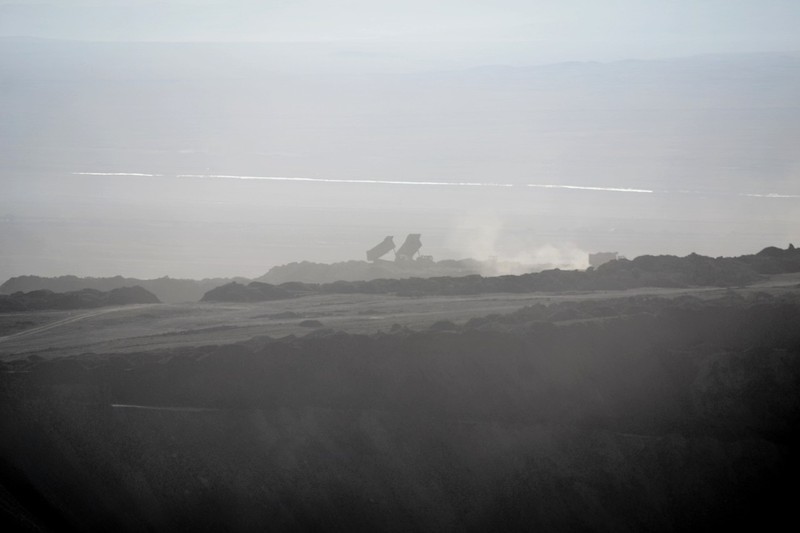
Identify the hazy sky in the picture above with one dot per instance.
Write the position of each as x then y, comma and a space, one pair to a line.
97, 138
579, 29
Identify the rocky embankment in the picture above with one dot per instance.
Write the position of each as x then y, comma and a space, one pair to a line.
638, 414
84, 299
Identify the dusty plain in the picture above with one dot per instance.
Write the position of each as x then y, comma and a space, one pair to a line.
139, 328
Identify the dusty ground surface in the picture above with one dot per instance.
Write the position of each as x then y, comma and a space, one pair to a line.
148, 327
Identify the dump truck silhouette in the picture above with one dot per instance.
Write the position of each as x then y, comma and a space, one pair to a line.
410, 247
383, 248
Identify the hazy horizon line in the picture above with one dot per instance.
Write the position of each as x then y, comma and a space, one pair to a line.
433, 183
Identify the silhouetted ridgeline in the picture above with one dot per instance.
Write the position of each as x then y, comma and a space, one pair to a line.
166, 289
647, 414
644, 271
309, 272
252, 292
82, 299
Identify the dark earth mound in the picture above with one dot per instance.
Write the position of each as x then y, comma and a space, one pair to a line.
82, 299
309, 272
252, 292
646, 271
635, 414
166, 289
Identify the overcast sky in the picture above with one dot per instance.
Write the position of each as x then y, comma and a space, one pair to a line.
580, 29
116, 159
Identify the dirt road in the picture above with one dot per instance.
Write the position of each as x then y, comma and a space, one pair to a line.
75, 318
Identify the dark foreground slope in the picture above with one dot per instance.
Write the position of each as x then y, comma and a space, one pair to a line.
82, 299
631, 415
